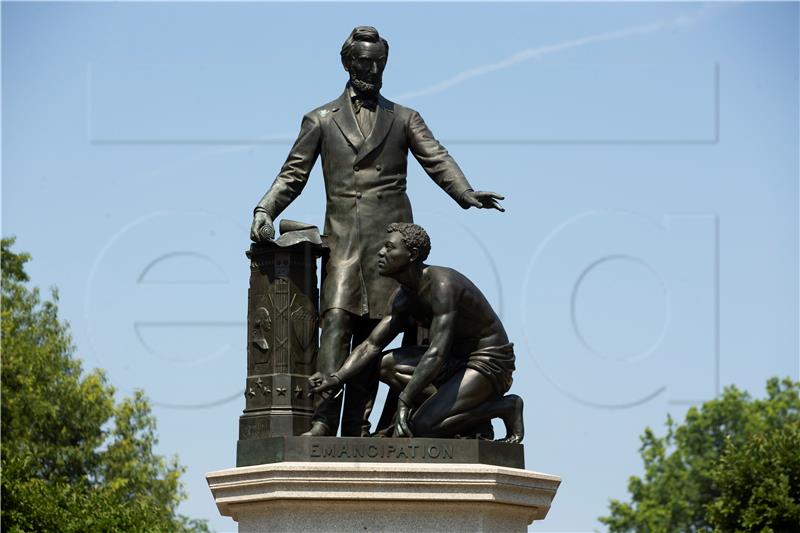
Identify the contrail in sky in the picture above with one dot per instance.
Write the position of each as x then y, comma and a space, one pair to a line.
528, 54
541, 51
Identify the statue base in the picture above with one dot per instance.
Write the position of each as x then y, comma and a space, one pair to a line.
376, 450
352, 496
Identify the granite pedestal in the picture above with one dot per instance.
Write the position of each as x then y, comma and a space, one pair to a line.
359, 496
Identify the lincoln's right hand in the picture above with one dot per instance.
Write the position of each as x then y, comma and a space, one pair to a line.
262, 228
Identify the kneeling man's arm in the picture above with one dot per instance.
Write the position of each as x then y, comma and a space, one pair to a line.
386, 330
441, 335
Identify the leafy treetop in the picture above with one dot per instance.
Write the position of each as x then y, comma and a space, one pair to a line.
733, 465
72, 458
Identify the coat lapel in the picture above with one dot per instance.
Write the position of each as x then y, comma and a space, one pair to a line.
383, 123
346, 122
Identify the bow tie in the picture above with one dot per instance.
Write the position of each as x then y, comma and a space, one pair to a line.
359, 102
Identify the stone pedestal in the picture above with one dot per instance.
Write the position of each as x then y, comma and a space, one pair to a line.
342, 496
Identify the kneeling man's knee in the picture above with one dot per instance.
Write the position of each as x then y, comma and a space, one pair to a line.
387, 366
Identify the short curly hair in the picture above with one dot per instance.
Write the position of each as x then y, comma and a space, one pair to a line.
414, 237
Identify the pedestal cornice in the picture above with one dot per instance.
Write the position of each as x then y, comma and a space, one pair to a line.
465, 494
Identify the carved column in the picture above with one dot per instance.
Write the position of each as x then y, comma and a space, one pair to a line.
282, 343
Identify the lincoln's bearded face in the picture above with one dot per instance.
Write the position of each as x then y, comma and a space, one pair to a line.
367, 61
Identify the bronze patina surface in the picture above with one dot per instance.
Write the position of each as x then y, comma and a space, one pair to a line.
364, 141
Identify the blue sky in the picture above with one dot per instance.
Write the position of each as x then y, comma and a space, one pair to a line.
648, 152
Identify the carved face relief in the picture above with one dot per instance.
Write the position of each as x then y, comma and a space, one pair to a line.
367, 61
261, 325
394, 256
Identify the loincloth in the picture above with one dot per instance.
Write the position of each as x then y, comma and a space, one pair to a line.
496, 363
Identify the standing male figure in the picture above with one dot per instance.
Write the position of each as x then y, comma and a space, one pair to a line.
458, 383
364, 141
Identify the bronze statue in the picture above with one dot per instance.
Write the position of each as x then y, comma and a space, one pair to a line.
364, 140
459, 382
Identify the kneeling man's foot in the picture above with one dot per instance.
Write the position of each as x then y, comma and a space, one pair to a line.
515, 425
318, 429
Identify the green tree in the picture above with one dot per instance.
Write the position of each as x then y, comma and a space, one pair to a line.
733, 465
72, 458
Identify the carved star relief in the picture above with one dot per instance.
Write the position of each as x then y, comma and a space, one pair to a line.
281, 391
298, 392
265, 390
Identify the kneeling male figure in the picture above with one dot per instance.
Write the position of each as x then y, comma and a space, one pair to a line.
459, 382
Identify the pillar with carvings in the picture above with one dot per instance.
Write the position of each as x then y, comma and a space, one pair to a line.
282, 337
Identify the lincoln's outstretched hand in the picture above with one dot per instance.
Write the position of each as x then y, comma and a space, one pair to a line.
482, 200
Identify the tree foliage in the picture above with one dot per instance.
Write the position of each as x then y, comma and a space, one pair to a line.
72, 458
733, 465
